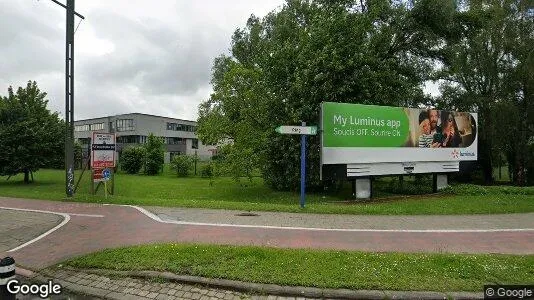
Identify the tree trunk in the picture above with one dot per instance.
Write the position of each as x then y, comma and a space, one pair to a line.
522, 149
484, 159
500, 171
26, 176
486, 146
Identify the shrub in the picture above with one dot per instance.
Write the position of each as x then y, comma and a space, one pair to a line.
207, 171
182, 164
477, 190
131, 159
154, 157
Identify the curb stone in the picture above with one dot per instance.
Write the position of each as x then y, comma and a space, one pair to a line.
261, 289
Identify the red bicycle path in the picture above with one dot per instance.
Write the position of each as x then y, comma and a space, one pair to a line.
125, 226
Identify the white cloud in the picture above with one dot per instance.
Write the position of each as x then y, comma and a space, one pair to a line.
130, 56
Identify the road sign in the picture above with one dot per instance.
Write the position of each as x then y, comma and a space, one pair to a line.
98, 175
304, 130
103, 150
106, 174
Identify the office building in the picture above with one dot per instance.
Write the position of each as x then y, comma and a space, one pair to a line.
133, 129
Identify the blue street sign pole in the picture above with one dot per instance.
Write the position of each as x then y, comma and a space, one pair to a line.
303, 168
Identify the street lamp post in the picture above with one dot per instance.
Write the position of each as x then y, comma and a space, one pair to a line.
69, 97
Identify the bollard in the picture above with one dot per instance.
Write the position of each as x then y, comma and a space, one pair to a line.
7, 273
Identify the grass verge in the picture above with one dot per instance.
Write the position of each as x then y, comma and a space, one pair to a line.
224, 193
320, 268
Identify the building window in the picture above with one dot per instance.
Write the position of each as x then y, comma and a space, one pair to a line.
181, 127
194, 144
142, 139
125, 125
171, 126
84, 141
174, 141
82, 127
128, 139
97, 126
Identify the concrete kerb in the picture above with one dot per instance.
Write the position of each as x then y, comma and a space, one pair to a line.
246, 287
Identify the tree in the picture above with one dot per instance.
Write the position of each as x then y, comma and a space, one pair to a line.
284, 65
154, 155
487, 66
31, 136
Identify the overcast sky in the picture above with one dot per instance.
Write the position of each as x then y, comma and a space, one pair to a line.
130, 55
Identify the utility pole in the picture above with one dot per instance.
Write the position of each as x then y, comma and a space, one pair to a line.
69, 96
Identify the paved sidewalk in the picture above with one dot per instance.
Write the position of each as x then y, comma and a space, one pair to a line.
18, 227
113, 287
421, 222
117, 285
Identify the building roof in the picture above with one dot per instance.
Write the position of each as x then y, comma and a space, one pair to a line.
132, 114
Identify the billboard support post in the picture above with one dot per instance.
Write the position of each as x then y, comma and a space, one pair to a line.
363, 187
303, 169
439, 182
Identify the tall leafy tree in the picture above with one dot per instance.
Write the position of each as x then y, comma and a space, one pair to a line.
31, 136
487, 65
284, 65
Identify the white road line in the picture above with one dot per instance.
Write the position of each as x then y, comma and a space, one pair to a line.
66, 219
86, 215
158, 219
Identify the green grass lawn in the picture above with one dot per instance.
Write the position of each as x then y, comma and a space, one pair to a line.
320, 268
169, 190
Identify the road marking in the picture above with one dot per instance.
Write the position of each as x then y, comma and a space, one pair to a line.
66, 219
158, 219
86, 215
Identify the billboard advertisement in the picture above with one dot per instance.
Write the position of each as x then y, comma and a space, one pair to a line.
364, 134
103, 150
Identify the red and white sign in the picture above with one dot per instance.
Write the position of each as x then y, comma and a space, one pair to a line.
97, 175
103, 150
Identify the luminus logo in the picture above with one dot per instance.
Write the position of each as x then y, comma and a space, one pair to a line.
457, 154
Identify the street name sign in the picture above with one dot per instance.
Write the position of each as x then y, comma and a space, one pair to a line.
303, 130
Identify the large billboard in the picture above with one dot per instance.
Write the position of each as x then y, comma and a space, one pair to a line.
369, 134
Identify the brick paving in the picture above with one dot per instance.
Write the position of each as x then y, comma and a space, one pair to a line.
18, 227
124, 226
106, 287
